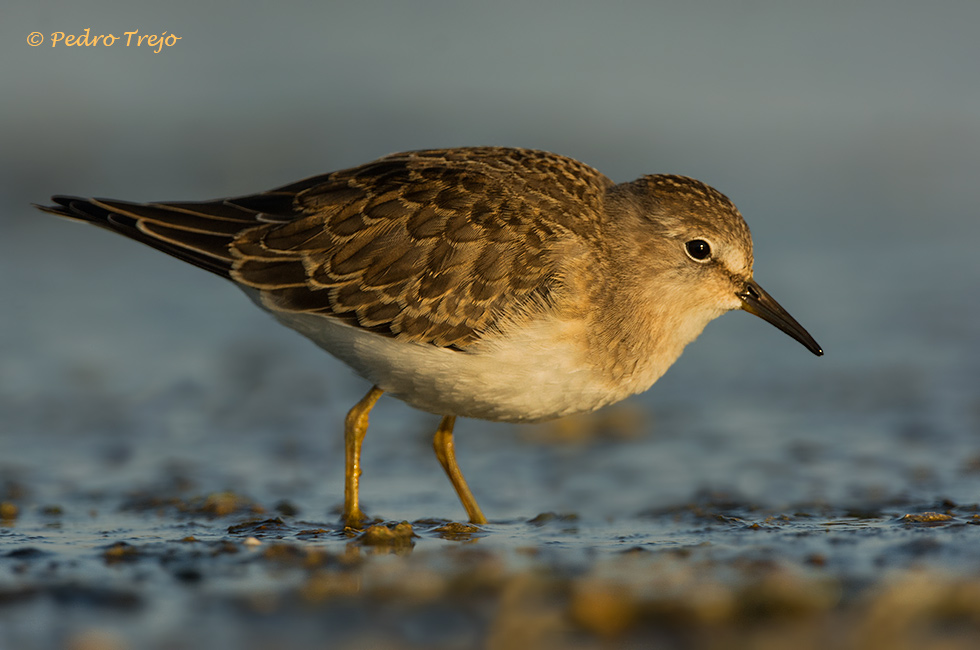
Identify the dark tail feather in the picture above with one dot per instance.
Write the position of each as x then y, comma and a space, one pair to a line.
197, 233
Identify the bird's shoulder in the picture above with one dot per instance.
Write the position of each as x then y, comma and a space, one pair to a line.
434, 246
488, 187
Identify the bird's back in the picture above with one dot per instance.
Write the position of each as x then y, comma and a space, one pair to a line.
435, 247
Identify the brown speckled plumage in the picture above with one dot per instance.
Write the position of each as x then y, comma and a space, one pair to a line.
388, 245
503, 284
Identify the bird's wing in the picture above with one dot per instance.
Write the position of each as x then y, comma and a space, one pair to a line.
431, 246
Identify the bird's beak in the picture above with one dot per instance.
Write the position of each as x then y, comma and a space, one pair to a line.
756, 301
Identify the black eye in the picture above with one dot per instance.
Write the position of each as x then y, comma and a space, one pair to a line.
698, 249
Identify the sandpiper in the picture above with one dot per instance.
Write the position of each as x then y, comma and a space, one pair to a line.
504, 284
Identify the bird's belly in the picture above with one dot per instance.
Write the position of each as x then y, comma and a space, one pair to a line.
537, 372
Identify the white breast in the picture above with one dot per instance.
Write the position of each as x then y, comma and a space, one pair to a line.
538, 372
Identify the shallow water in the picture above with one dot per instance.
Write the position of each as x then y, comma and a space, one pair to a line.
178, 486
171, 473
171, 459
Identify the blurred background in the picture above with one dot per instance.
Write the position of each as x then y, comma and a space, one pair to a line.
847, 133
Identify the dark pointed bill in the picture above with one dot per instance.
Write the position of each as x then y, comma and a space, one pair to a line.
759, 303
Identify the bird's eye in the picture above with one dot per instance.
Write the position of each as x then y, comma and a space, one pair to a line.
699, 250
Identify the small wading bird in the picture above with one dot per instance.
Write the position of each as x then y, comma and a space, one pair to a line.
503, 284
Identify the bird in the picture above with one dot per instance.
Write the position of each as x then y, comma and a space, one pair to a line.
503, 284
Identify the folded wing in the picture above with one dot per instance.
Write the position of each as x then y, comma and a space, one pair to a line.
434, 246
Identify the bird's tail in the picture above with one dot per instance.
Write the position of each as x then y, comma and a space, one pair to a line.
200, 233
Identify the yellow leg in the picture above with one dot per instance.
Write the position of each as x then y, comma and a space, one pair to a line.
446, 453
355, 427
